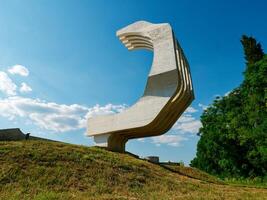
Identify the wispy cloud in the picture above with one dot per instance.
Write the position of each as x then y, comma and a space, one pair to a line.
141, 139
171, 140
24, 88
204, 107
187, 123
7, 86
19, 69
190, 109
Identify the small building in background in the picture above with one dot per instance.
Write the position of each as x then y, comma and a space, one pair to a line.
12, 134
15, 134
153, 159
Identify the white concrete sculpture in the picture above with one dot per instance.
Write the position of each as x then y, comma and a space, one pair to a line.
167, 94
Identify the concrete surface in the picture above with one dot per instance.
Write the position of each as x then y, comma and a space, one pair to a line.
167, 94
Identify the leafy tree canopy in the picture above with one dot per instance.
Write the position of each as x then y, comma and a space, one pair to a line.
233, 137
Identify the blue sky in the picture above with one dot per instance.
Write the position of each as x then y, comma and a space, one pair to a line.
60, 62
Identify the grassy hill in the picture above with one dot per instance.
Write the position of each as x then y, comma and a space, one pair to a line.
52, 170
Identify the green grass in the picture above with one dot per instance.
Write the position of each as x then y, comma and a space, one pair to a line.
245, 182
43, 170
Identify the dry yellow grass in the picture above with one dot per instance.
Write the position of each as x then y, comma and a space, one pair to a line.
50, 170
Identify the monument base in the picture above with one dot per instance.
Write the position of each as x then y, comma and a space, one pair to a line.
111, 142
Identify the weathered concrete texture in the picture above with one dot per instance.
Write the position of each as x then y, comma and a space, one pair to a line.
167, 94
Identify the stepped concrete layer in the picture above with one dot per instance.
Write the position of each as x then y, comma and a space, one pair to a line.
167, 94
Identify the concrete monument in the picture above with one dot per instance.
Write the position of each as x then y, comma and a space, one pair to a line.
167, 94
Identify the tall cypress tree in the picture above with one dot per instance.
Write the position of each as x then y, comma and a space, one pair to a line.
252, 49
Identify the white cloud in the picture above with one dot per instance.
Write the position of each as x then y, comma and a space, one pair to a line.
19, 69
6, 84
185, 118
52, 116
227, 93
24, 88
190, 110
188, 125
171, 140
204, 107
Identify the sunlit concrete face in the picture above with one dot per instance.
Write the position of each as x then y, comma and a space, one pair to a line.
167, 94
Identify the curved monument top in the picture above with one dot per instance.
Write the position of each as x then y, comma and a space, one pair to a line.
139, 26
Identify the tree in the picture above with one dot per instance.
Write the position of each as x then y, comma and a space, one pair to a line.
252, 49
233, 138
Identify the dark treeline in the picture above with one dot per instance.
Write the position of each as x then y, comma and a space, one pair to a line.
233, 139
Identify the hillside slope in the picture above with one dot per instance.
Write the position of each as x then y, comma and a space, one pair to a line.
52, 170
